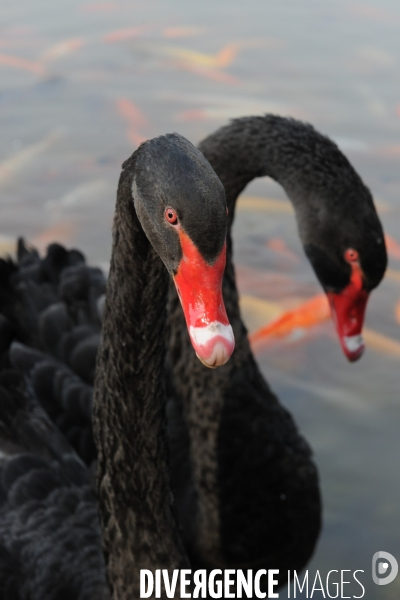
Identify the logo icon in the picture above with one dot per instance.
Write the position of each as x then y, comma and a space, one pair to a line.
384, 568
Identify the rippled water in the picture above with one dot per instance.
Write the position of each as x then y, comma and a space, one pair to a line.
83, 83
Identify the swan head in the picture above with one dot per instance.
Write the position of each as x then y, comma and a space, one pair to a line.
349, 265
181, 205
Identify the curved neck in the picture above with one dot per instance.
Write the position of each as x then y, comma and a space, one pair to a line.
316, 176
138, 527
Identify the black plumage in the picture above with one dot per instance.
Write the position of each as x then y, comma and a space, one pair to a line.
51, 308
252, 497
246, 488
49, 529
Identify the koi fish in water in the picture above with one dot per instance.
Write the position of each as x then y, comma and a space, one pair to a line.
310, 313
136, 120
393, 247
62, 49
22, 63
279, 246
127, 33
206, 65
223, 58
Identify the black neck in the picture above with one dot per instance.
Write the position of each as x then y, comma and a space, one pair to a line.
138, 528
314, 173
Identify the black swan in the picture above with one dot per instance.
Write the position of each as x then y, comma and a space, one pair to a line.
170, 209
245, 486
253, 488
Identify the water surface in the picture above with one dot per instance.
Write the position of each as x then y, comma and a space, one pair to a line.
83, 83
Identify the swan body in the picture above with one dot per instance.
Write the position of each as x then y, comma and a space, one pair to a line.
49, 511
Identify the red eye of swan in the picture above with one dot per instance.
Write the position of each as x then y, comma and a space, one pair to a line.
351, 255
171, 216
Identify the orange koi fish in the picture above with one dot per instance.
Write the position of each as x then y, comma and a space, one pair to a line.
392, 246
62, 49
226, 56
213, 74
311, 312
124, 34
136, 120
279, 245
389, 150
223, 58
131, 112
22, 63
205, 65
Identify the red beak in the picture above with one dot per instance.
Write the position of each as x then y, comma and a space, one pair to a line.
199, 286
348, 311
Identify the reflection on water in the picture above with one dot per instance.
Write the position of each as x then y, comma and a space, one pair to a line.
84, 82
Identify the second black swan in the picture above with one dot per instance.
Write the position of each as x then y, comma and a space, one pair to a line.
253, 486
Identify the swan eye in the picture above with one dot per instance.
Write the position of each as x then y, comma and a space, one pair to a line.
171, 216
351, 255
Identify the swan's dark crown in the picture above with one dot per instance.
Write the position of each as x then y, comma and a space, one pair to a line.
170, 171
337, 217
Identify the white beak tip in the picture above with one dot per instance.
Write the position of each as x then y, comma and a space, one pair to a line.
213, 344
353, 346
